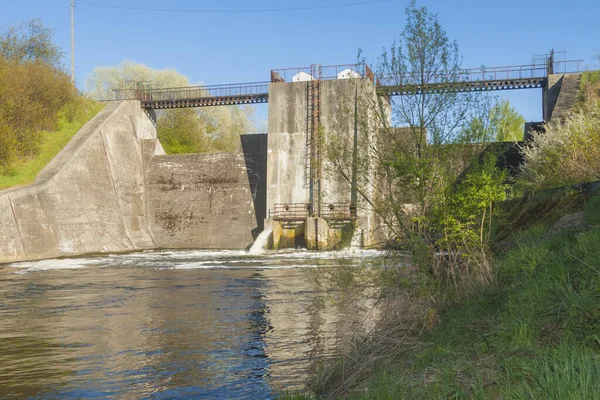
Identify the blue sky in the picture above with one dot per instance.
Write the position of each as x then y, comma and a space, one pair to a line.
238, 47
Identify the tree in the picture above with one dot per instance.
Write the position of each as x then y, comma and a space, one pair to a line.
180, 131
501, 124
409, 152
103, 81
30, 41
425, 55
31, 96
506, 123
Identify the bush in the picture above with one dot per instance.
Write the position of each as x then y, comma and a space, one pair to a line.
568, 152
31, 95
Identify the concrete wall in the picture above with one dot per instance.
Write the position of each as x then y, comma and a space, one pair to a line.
254, 148
90, 198
208, 200
287, 145
560, 95
340, 101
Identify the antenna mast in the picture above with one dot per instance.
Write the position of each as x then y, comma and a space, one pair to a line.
73, 40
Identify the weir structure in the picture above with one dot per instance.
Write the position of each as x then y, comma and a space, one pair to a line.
112, 188
305, 105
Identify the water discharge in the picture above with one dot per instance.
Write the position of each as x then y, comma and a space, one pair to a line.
258, 247
168, 324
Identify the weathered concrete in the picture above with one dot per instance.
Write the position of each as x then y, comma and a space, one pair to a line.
560, 95
89, 199
201, 201
112, 189
254, 148
288, 146
317, 234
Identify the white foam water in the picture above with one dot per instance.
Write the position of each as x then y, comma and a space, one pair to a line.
258, 247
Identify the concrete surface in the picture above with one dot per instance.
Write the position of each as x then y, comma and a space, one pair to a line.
112, 189
89, 199
560, 95
201, 201
288, 151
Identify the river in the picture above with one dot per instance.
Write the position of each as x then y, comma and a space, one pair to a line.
168, 324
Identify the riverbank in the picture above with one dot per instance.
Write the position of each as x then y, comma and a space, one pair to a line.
70, 120
531, 333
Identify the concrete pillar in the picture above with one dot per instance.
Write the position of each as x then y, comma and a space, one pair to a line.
317, 234
288, 163
275, 240
550, 94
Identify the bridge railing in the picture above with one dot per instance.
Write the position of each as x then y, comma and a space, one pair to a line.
290, 211
510, 72
339, 211
321, 72
198, 92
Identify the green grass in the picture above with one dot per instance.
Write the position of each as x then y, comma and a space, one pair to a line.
70, 121
589, 77
534, 333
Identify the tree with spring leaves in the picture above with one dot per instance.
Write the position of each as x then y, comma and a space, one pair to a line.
410, 150
201, 130
30, 41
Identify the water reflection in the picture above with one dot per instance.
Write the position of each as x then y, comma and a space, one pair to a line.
164, 325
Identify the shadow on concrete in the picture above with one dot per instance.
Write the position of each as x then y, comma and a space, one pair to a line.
254, 147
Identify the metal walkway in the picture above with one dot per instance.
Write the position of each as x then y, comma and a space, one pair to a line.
528, 76
469, 80
197, 96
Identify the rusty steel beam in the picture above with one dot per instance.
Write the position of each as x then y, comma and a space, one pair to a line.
453, 87
206, 101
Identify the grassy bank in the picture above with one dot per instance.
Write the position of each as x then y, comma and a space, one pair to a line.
70, 120
533, 333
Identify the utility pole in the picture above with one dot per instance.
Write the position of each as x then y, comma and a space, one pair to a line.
73, 41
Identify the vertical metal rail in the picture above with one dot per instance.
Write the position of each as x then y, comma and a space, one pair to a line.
314, 91
307, 143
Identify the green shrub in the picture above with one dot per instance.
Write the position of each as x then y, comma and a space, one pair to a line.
69, 120
31, 95
568, 152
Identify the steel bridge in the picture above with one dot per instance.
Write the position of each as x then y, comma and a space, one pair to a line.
513, 77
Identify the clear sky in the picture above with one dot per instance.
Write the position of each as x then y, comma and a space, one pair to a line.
230, 47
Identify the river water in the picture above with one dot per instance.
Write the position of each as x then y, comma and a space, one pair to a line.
177, 324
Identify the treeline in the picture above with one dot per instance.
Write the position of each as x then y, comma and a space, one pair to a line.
199, 130
33, 89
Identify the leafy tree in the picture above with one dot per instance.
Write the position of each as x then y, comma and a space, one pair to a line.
103, 81
409, 154
31, 95
407, 160
425, 55
501, 124
180, 131
30, 41
506, 123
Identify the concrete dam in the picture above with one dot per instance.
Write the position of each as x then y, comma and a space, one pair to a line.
113, 189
